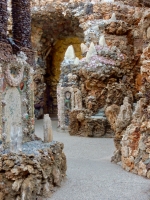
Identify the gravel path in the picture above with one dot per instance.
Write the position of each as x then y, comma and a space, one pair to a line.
91, 175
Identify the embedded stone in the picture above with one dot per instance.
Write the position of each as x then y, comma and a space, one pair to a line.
84, 48
102, 41
76, 61
91, 52
113, 17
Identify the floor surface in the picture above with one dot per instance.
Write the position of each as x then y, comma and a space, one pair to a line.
91, 175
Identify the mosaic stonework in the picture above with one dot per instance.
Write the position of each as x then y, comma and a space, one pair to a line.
12, 112
18, 143
69, 99
65, 98
17, 99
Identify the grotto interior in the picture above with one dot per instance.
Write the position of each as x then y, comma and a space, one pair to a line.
105, 92
52, 33
86, 62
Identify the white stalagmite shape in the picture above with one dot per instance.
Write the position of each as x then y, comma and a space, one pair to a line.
91, 52
84, 48
70, 54
113, 17
102, 41
107, 1
76, 61
48, 136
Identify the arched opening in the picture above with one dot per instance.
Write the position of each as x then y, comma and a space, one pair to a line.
52, 75
52, 33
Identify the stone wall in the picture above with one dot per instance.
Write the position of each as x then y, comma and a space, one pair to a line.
33, 173
51, 29
28, 167
110, 80
131, 121
123, 34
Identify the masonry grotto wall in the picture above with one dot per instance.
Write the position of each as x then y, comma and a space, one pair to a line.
108, 85
29, 167
52, 33
110, 74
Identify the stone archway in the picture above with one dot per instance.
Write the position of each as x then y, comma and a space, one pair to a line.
52, 75
52, 33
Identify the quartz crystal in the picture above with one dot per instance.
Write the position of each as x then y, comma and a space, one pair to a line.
70, 54
91, 52
76, 62
102, 41
113, 17
84, 48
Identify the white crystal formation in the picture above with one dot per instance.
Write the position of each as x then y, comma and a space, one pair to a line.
113, 17
48, 135
91, 52
70, 54
110, 1
84, 48
102, 41
76, 61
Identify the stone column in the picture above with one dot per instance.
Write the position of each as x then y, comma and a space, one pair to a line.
22, 28
3, 20
21, 22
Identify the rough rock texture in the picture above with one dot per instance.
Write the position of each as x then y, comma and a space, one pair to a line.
32, 173
119, 119
28, 167
83, 125
135, 142
21, 22
133, 148
6, 52
109, 76
122, 33
3, 20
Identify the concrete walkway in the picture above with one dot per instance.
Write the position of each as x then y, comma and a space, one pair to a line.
91, 175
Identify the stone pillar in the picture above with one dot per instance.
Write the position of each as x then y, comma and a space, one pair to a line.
3, 20
22, 28
48, 136
21, 22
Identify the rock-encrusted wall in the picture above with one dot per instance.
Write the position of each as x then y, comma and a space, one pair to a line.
123, 33
132, 142
114, 71
33, 173
52, 26
21, 22
112, 80
28, 167
3, 21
